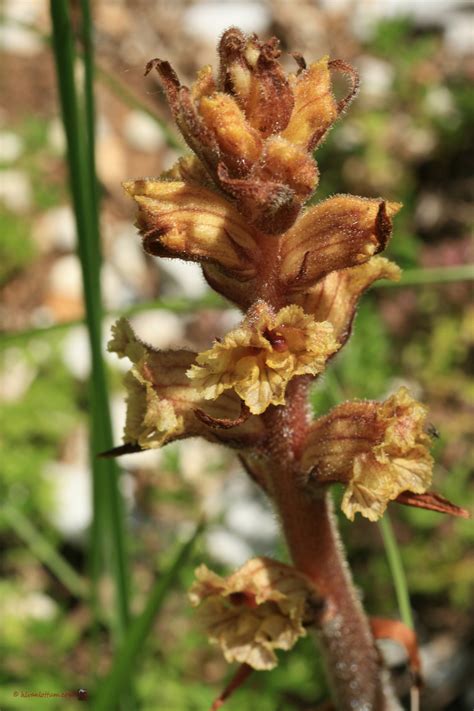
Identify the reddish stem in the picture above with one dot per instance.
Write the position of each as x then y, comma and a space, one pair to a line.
353, 663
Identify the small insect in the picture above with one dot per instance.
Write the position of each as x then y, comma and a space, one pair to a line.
432, 431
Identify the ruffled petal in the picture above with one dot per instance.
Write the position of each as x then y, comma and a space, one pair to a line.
259, 358
259, 608
162, 402
378, 450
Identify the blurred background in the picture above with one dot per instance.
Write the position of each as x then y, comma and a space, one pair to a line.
408, 137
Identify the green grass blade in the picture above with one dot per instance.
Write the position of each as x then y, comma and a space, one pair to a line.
433, 275
394, 559
108, 541
45, 551
123, 664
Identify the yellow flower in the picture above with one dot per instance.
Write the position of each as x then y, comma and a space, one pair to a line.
261, 356
378, 450
163, 405
259, 608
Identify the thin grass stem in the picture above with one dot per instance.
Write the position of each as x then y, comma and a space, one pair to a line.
433, 275
123, 664
107, 539
395, 564
45, 551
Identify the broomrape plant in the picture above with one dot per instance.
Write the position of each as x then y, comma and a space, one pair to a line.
237, 207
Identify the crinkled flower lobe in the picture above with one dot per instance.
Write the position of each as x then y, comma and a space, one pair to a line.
259, 358
163, 404
261, 607
378, 450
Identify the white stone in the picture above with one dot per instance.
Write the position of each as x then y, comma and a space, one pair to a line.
76, 352
227, 548
376, 77
65, 277
16, 375
15, 36
439, 102
393, 653
26, 605
15, 190
187, 276
211, 19
71, 513
250, 519
143, 133
429, 210
459, 33
159, 328
230, 318
11, 146
56, 136
115, 293
55, 229
126, 253
197, 457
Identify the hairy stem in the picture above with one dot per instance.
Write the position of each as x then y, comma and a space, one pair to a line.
353, 663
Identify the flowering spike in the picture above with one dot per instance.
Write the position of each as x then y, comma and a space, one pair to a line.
237, 206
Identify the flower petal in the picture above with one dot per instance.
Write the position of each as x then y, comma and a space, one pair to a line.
315, 107
259, 608
373, 483
259, 358
179, 219
162, 402
378, 450
240, 145
341, 232
335, 297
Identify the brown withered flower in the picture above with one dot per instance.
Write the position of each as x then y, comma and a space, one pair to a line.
261, 607
237, 207
378, 450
